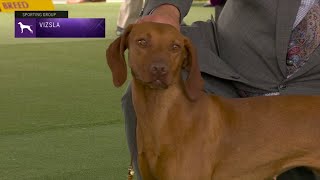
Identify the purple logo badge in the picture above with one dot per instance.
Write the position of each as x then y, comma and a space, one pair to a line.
25, 28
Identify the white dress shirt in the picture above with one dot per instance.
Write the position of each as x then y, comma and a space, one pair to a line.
303, 10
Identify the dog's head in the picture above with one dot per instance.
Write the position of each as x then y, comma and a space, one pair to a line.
157, 54
19, 23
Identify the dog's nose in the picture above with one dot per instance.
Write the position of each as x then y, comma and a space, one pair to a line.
159, 69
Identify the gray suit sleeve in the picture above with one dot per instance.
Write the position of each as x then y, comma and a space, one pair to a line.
182, 5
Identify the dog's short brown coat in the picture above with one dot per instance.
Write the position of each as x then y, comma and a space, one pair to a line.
185, 134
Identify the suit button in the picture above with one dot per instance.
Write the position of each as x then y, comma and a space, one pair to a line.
282, 86
290, 62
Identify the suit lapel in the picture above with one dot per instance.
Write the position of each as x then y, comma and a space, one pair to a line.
286, 15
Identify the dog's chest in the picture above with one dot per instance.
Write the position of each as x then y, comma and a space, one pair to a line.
157, 166
174, 164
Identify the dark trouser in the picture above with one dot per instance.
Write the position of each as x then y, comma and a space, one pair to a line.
212, 85
130, 127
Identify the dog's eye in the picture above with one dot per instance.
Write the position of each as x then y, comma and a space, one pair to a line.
142, 42
175, 47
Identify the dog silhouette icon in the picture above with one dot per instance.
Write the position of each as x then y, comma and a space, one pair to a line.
28, 27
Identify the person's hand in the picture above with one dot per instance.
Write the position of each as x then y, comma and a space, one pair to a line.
166, 13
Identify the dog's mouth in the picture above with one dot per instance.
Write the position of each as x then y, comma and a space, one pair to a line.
153, 84
157, 84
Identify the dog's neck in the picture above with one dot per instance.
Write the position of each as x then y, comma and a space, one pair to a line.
158, 110
153, 106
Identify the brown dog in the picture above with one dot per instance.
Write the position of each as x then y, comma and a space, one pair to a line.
185, 134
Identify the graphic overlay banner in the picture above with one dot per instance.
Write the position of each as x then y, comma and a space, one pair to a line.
25, 5
41, 14
59, 27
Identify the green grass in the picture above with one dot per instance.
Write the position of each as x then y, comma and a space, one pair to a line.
60, 116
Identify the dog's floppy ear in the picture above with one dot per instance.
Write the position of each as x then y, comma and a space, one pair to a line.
194, 82
115, 58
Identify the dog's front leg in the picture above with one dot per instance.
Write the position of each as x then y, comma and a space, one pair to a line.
144, 168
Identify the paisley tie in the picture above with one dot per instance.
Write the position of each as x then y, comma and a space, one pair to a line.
305, 38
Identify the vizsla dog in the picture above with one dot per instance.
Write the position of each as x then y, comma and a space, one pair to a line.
185, 134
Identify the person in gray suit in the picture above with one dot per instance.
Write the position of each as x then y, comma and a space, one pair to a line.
255, 48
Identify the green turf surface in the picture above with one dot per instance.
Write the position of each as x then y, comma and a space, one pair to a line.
60, 116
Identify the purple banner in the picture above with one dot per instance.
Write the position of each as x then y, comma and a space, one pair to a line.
59, 27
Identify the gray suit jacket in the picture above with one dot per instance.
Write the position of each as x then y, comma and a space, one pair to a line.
248, 45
